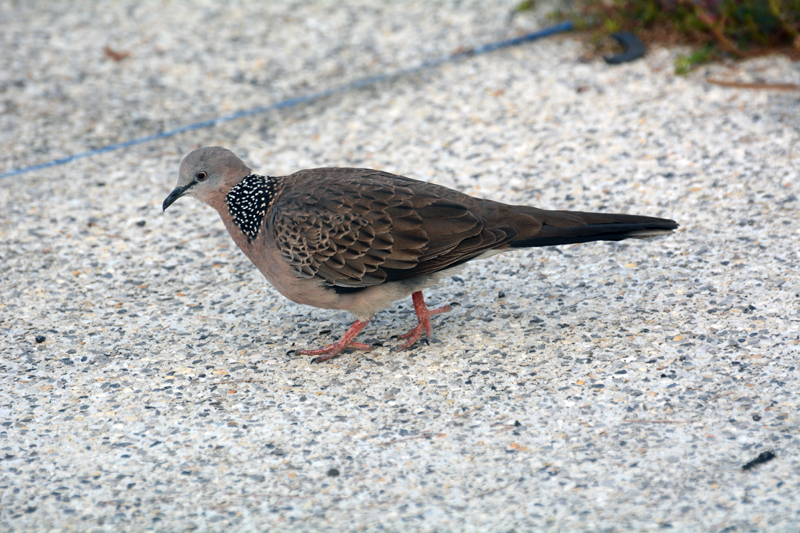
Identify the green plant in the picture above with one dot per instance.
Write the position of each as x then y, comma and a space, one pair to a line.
684, 64
715, 28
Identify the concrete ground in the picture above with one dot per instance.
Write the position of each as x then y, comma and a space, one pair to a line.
147, 379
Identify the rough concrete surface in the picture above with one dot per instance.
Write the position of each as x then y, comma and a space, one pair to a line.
146, 379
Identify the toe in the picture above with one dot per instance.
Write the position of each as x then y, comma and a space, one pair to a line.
326, 357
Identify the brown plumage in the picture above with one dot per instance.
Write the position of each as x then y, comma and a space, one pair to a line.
359, 239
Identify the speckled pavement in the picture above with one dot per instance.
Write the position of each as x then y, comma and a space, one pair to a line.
146, 379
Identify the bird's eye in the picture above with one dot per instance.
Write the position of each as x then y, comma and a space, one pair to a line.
200, 176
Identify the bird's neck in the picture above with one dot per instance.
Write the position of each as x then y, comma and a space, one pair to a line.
245, 206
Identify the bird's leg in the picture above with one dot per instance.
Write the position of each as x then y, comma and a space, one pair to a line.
345, 342
424, 321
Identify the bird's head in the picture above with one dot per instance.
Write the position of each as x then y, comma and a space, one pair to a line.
207, 174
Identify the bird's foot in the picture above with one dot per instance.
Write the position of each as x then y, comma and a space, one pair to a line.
347, 341
423, 322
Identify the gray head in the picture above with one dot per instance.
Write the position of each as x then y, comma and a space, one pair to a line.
208, 174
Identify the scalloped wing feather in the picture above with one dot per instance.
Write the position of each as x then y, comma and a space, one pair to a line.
358, 227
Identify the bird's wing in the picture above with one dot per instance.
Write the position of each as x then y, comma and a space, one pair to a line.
357, 228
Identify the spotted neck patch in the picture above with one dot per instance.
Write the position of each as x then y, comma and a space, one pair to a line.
249, 202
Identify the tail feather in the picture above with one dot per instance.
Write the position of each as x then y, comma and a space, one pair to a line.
570, 227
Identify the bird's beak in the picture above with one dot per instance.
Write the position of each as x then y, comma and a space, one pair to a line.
174, 195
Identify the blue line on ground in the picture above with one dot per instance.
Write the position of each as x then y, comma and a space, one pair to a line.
357, 84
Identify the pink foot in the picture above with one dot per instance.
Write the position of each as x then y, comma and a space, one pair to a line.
424, 322
337, 347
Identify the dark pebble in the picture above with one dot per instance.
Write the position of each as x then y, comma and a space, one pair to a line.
333, 472
40, 339
763, 457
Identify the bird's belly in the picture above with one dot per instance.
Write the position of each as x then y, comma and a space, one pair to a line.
312, 291
370, 300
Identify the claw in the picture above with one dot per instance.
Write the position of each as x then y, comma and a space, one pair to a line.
424, 322
347, 341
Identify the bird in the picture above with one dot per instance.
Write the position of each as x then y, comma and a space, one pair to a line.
358, 239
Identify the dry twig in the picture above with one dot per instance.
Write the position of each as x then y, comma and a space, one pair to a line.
746, 85
643, 421
423, 436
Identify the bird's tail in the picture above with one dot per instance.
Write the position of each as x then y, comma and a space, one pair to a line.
570, 227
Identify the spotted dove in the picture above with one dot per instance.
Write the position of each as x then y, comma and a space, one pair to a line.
359, 239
